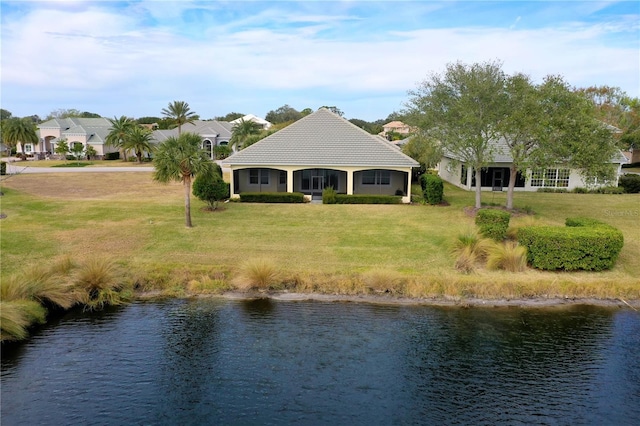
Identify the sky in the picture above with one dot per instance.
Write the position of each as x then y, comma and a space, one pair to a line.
135, 57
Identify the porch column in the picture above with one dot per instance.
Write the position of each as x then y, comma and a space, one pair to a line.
231, 186
349, 182
289, 180
407, 199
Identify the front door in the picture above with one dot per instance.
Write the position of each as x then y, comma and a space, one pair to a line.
498, 175
317, 185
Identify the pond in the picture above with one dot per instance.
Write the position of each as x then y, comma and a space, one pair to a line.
214, 361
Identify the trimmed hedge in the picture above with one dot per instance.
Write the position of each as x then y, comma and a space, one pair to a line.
272, 197
630, 183
433, 189
584, 244
493, 223
112, 156
367, 199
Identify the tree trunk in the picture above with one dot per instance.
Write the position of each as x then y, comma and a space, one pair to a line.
187, 201
139, 155
478, 188
512, 184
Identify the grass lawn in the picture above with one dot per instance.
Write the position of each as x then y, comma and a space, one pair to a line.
324, 248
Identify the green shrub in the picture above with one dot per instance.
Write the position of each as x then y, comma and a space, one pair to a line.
584, 244
608, 190
272, 197
434, 189
112, 156
630, 183
3, 168
493, 223
329, 195
211, 189
580, 190
552, 190
367, 199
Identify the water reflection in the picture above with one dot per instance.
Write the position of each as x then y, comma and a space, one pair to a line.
269, 362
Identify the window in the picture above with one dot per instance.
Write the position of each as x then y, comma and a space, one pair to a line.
376, 177
463, 175
258, 176
283, 177
28, 148
550, 178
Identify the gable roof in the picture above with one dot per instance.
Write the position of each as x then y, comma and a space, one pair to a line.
322, 139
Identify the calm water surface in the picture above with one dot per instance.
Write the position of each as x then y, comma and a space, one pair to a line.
267, 362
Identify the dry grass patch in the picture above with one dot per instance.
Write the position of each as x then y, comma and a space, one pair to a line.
508, 256
17, 315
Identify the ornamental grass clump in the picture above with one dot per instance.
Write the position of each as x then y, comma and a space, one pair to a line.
260, 274
40, 284
383, 280
100, 284
508, 256
17, 316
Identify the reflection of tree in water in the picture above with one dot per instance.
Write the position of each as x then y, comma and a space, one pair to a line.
507, 365
263, 307
190, 353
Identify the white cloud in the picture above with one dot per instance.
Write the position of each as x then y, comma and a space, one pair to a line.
99, 53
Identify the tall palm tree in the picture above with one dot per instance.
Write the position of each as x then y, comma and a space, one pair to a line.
241, 131
17, 130
118, 133
180, 159
139, 140
180, 113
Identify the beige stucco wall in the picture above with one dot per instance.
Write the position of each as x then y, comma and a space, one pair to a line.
243, 175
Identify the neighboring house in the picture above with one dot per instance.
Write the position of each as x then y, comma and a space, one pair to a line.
496, 175
213, 133
318, 151
632, 155
75, 130
395, 127
264, 124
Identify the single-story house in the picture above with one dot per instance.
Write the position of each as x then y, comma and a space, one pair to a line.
213, 133
320, 150
496, 176
75, 130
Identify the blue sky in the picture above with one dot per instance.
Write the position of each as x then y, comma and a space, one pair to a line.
134, 57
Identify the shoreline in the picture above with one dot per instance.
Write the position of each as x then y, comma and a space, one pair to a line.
384, 299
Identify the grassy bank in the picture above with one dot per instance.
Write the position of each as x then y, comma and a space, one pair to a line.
345, 249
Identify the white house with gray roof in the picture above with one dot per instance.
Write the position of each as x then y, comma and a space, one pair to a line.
213, 133
496, 176
318, 151
75, 130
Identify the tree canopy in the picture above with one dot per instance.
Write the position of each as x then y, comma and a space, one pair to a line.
462, 108
230, 116
283, 114
179, 113
66, 113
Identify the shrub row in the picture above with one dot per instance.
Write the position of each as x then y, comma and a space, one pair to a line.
584, 244
367, 199
630, 183
272, 197
580, 190
493, 223
3, 168
432, 188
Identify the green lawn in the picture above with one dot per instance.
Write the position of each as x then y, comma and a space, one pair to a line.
141, 225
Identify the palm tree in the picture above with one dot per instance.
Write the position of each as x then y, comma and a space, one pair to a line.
180, 113
17, 130
118, 133
241, 131
139, 140
180, 159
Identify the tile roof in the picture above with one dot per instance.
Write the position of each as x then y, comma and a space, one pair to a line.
221, 129
322, 139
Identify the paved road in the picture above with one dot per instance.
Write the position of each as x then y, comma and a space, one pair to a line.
17, 168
